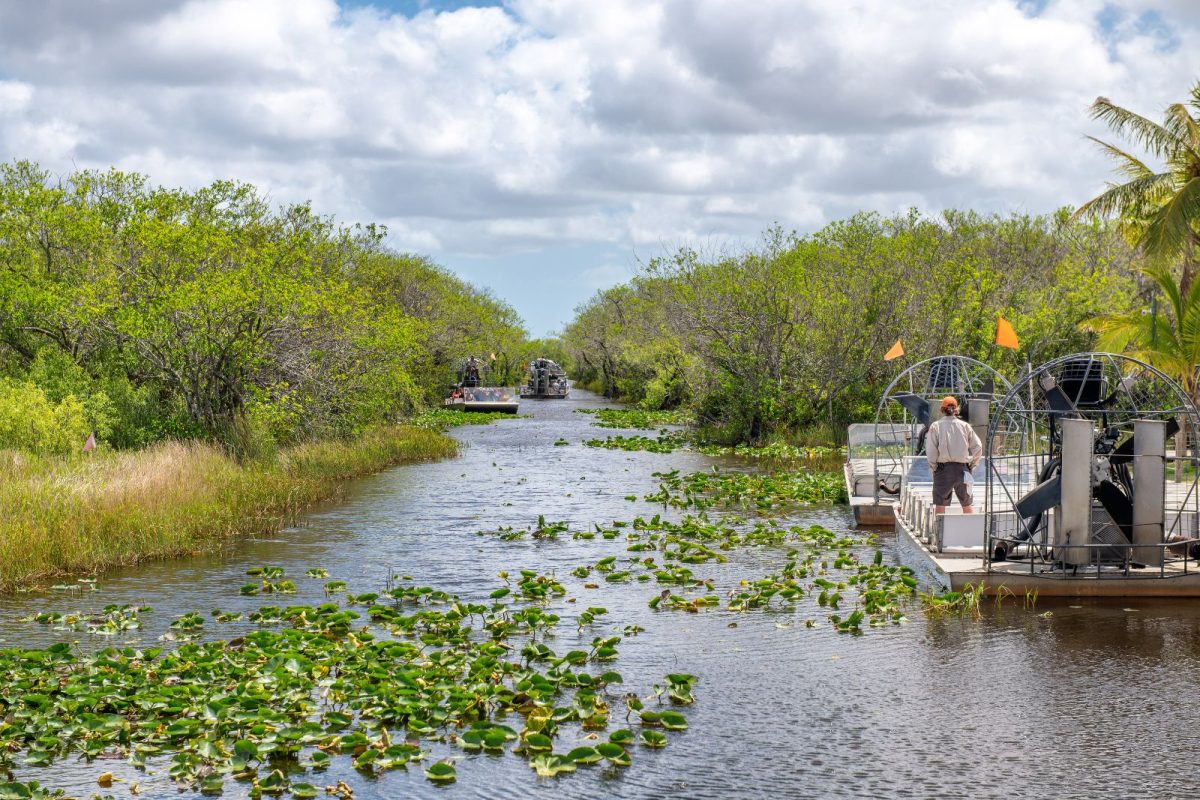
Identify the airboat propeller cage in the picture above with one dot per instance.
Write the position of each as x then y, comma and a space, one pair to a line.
1077, 467
913, 400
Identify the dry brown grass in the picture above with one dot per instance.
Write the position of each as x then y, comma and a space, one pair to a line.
81, 514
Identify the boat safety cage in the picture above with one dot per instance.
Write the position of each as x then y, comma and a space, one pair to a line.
488, 394
1093, 472
911, 403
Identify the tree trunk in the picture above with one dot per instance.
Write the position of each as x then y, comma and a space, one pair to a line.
1188, 274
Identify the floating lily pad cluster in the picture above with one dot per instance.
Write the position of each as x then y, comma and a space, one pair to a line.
315, 683
541, 530
112, 620
819, 564
666, 442
813, 456
440, 419
753, 491
632, 418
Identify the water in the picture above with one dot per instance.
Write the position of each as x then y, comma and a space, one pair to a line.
1060, 700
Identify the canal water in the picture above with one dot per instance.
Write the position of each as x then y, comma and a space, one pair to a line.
1060, 700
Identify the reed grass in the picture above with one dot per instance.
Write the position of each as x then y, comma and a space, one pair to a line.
85, 513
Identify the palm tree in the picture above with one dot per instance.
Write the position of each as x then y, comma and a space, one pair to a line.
1159, 210
1168, 341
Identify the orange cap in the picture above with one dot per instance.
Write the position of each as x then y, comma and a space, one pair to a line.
949, 402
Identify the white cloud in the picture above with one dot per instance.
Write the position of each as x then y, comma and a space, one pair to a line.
14, 97
626, 123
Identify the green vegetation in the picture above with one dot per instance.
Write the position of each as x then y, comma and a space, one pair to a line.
416, 667
235, 363
785, 342
817, 457
964, 603
440, 419
665, 443
636, 418
758, 491
1159, 211
142, 313
82, 514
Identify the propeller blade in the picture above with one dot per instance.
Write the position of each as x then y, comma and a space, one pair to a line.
1057, 399
1118, 505
915, 405
1041, 498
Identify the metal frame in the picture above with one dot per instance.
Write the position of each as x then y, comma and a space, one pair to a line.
930, 379
1019, 446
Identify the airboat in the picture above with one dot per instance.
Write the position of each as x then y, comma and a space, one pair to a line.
1081, 494
547, 381
876, 452
470, 394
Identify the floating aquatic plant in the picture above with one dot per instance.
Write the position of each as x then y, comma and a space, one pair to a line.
312, 684
761, 492
636, 418
666, 442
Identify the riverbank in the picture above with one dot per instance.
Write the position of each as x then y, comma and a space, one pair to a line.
83, 514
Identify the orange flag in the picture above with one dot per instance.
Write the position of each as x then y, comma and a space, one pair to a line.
1005, 335
896, 351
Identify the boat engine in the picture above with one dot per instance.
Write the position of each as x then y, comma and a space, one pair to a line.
1089, 474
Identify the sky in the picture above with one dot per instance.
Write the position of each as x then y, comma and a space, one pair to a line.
548, 148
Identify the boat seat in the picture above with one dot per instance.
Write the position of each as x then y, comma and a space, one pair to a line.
961, 531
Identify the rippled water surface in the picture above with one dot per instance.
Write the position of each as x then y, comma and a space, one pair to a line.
1054, 701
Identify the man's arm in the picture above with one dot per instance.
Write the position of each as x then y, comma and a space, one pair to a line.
975, 447
931, 445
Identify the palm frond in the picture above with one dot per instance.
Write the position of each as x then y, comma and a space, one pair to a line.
1179, 121
1164, 278
1135, 198
1128, 165
1149, 134
1116, 332
1170, 227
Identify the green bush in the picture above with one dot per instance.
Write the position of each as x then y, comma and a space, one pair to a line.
30, 421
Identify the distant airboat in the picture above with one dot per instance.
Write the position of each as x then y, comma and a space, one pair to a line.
470, 392
546, 381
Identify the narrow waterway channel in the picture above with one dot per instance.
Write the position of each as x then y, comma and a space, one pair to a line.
1059, 700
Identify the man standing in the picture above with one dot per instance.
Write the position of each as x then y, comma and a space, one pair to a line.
952, 447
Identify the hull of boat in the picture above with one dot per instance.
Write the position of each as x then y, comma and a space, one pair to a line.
966, 569
482, 406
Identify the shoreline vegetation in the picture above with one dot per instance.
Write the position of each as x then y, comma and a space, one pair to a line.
232, 363
784, 342
77, 515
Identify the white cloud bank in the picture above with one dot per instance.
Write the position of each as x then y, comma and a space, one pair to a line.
622, 123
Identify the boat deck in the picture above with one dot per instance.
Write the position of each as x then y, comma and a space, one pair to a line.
960, 571
869, 510
949, 548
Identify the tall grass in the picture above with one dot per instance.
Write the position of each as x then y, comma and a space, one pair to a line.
84, 513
